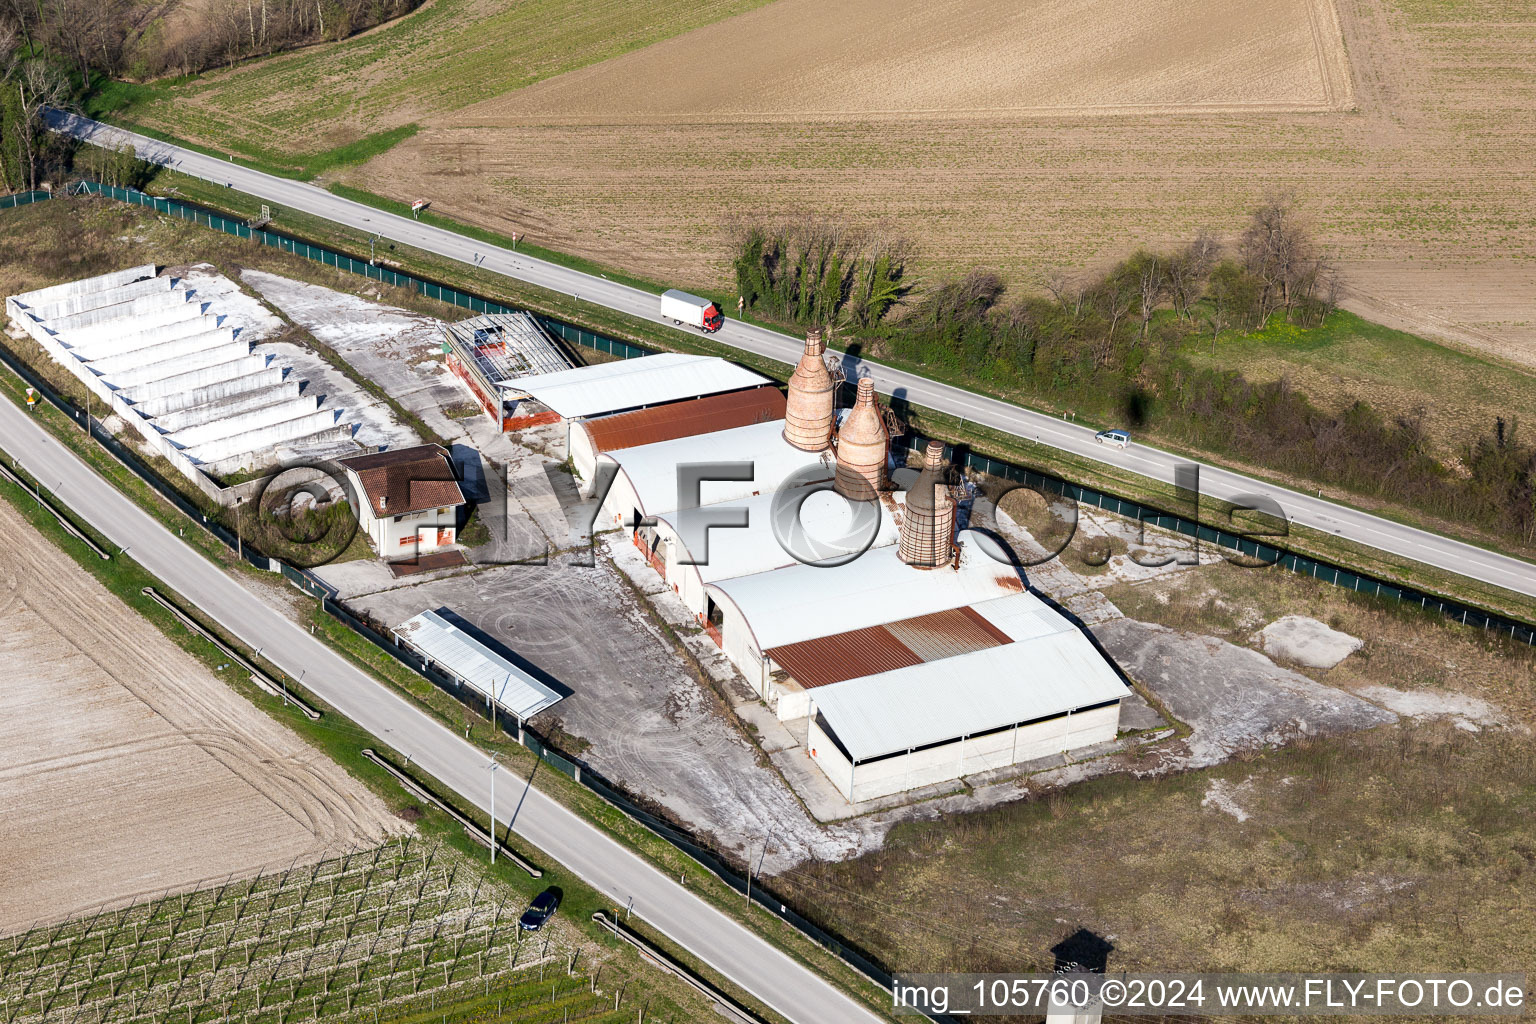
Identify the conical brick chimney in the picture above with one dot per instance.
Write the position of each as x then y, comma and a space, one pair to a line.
928, 524
808, 411
862, 448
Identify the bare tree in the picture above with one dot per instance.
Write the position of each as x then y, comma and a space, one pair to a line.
39, 85
1278, 250
1188, 270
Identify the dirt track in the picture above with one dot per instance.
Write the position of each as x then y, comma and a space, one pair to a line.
131, 768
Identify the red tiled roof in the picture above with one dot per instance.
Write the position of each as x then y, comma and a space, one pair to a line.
686, 418
865, 652
406, 479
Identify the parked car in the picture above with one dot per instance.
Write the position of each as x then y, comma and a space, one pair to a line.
1118, 438
540, 910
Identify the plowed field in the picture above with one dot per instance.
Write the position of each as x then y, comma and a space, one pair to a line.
132, 769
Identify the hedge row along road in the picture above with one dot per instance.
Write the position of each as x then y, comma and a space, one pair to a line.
749, 960
1320, 514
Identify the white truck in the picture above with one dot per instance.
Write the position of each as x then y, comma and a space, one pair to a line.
682, 308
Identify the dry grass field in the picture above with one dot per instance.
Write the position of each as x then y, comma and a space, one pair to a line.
1396, 848
131, 768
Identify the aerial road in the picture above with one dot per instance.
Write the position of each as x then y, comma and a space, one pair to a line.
738, 953
1307, 510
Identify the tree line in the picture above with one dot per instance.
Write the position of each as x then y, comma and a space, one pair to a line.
1114, 344
98, 39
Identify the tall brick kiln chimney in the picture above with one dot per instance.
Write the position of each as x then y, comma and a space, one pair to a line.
862, 448
808, 411
928, 524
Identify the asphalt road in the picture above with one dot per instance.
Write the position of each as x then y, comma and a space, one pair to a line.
1320, 514
736, 952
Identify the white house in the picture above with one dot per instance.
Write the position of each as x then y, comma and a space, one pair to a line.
408, 500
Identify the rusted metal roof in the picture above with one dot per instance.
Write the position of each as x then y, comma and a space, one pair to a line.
685, 419
406, 479
901, 644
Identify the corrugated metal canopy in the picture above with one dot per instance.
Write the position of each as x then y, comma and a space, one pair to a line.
862, 652
995, 688
801, 602
632, 383
686, 418
825, 517
652, 468
477, 665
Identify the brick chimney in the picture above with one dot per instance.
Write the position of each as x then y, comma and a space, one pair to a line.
808, 411
862, 448
928, 524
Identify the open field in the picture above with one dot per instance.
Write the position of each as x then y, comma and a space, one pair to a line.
134, 769
445, 55
1415, 163
1425, 186
798, 58
1399, 847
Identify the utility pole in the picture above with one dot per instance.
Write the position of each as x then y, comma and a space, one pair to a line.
239, 541
493, 766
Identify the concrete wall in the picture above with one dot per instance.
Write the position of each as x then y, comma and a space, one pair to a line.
337, 438
219, 374
253, 441
161, 303
116, 344
241, 401
103, 282
740, 646
114, 363
960, 758
583, 455
155, 326
148, 373
620, 504
72, 304
115, 401
232, 426
194, 397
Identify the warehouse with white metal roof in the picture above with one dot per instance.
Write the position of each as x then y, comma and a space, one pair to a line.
922, 659
631, 384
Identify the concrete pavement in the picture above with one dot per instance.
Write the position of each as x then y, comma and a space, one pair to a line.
753, 963
1326, 516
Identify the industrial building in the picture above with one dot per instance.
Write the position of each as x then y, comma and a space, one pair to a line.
165, 361
506, 688
488, 351
910, 653
687, 417
408, 499
818, 524
624, 385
